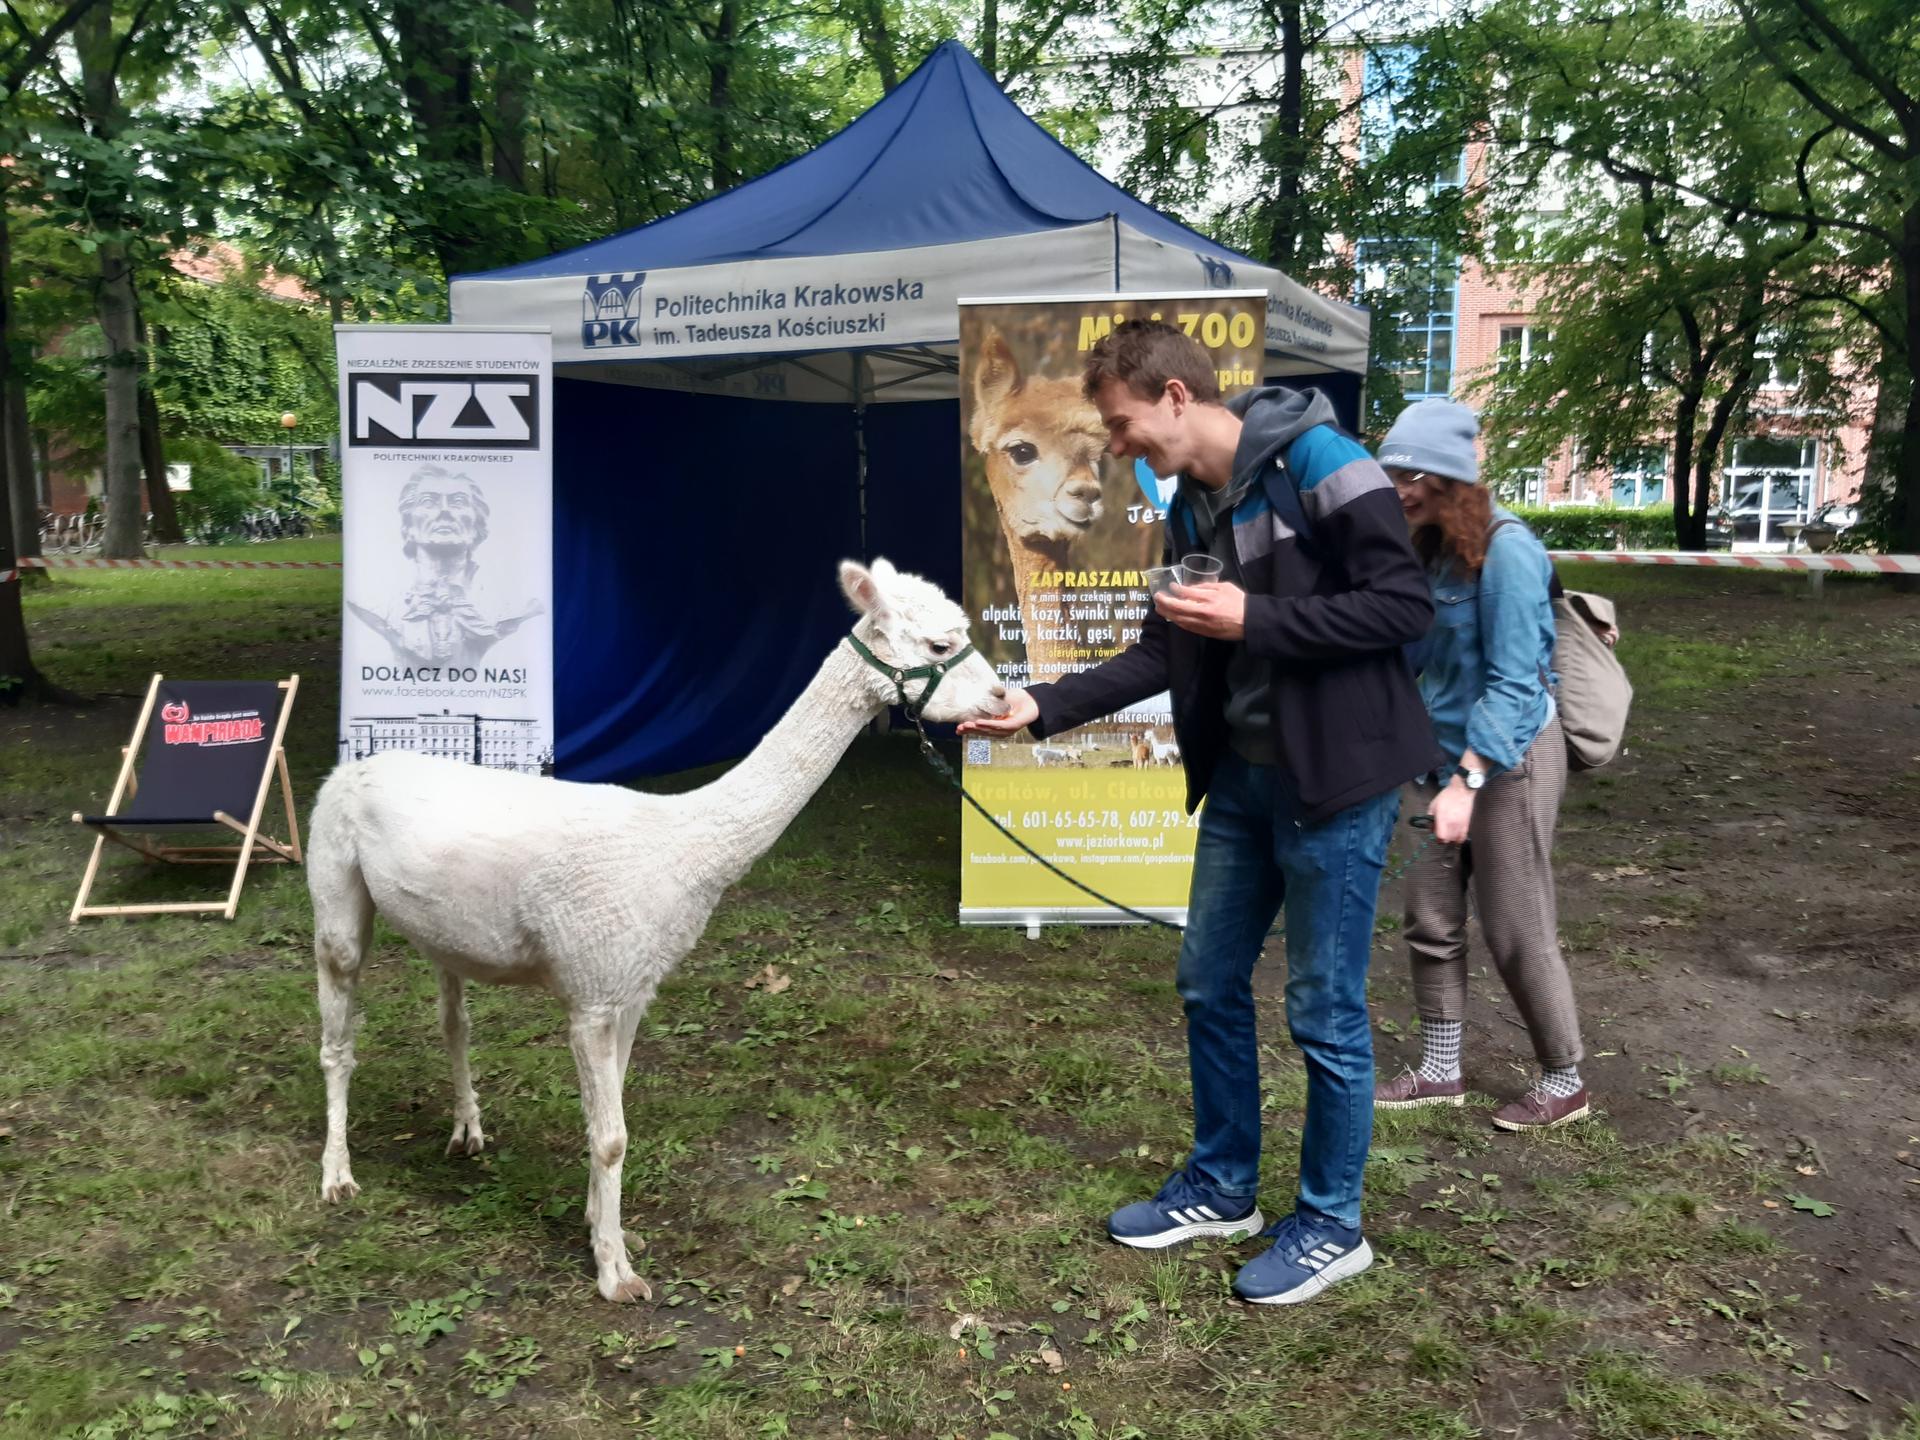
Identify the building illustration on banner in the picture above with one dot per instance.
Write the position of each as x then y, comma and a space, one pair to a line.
496, 743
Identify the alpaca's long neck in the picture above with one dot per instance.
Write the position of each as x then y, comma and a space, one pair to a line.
746, 810
1033, 565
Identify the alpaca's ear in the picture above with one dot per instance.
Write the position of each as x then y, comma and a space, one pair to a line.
861, 587
996, 375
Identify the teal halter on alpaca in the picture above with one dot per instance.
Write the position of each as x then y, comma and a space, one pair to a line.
933, 674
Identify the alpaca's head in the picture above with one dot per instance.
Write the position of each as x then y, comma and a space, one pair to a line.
908, 622
1042, 440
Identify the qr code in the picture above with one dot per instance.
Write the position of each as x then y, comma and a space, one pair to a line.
979, 752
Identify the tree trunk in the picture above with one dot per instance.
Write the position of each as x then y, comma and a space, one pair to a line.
436, 76
510, 82
879, 43
94, 44
125, 513
726, 173
990, 37
153, 448
16, 435
1903, 516
18, 678
16, 465
1283, 235
1706, 463
1689, 507
1888, 425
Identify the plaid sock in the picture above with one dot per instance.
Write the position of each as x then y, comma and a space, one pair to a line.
1440, 1049
1560, 1083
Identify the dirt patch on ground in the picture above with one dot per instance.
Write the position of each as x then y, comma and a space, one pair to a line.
1739, 892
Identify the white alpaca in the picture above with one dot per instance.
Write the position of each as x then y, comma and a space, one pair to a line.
1165, 752
592, 892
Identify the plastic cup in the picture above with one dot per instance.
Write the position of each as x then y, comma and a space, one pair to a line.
1159, 577
1200, 570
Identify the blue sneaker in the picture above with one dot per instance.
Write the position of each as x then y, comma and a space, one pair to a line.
1183, 1210
1307, 1256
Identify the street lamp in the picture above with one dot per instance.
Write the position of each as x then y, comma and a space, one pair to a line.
287, 421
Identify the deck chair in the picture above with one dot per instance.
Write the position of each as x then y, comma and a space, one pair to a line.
208, 751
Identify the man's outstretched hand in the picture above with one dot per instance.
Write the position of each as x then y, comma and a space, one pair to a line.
1021, 712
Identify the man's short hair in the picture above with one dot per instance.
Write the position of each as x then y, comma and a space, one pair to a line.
1144, 355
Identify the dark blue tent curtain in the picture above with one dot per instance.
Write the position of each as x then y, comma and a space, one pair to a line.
696, 541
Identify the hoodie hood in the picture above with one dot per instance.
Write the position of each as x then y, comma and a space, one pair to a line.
1272, 418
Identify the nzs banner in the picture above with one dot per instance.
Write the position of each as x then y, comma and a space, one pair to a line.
447, 640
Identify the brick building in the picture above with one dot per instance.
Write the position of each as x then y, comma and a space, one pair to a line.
1462, 322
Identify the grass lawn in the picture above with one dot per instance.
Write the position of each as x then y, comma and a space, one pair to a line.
871, 1200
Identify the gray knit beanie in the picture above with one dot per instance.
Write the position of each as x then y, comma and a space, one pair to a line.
1435, 436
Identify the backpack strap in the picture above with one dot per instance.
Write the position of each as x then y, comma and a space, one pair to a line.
1284, 496
1554, 588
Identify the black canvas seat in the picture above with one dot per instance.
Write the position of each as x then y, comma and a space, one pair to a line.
208, 753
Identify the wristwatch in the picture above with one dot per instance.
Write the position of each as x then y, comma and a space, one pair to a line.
1474, 778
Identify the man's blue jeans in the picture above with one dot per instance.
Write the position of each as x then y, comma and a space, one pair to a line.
1253, 855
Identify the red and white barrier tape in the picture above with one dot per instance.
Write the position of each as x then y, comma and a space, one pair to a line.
1804, 564
83, 562
1720, 560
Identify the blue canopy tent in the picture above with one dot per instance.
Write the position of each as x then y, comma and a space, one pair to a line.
759, 385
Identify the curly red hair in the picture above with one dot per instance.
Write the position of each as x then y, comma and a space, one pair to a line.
1460, 534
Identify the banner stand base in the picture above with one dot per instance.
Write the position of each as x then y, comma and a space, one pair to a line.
1031, 918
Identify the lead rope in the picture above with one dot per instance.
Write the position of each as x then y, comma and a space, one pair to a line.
943, 768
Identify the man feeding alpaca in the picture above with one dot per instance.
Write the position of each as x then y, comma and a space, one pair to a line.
1298, 721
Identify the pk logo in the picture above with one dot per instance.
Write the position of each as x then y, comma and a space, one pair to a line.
610, 309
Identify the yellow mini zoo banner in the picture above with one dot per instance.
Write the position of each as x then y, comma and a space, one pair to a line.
1058, 536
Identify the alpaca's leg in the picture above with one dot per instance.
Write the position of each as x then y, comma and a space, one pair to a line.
626, 1023
467, 1137
597, 1044
342, 926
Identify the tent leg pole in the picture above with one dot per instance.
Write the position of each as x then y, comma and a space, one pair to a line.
860, 445
884, 720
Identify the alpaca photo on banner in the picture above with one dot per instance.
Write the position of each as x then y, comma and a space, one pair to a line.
1058, 538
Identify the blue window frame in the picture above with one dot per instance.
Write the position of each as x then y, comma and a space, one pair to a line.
1418, 285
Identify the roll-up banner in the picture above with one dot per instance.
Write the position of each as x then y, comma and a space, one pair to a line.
1058, 537
447, 521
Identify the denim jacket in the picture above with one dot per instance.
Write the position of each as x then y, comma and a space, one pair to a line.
1489, 656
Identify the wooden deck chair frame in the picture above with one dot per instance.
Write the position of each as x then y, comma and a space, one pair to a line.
241, 856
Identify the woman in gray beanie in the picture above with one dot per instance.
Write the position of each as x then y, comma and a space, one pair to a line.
1485, 680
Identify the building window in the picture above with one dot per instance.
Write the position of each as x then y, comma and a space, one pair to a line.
1776, 364
1639, 478
1521, 346
1386, 87
1526, 485
1770, 481
1418, 285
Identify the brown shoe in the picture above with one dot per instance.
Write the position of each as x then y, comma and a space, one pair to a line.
1409, 1090
1537, 1110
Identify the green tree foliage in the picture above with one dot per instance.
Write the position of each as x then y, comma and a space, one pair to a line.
1735, 182
225, 487
230, 361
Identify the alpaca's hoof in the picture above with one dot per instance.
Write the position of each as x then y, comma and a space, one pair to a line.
467, 1139
625, 1292
335, 1191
